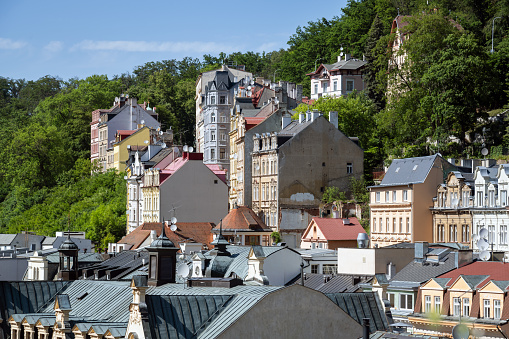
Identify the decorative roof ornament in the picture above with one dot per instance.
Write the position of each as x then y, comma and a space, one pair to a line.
220, 242
162, 241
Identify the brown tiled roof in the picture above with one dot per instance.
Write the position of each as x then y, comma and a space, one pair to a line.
186, 232
243, 218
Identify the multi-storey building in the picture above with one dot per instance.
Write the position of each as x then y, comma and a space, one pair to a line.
400, 205
126, 114
490, 206
474, 295
187, 189
206, 103
452, 218
252, 116
338, 79
312, 149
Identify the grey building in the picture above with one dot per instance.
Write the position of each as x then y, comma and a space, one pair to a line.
292, 168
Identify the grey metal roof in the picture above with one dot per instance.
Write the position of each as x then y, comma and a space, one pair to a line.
182, 316
421, 272
26, 297
409, 170
442, 281
474, 280
362, 305
49, 240
503, 284
181, 289
98, 300
54, 257
6, 239
350, 64
294, 128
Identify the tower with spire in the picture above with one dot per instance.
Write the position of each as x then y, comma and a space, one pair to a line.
162, 260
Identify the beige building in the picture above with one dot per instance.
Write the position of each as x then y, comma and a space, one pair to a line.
291, 168
452, 218
400, 205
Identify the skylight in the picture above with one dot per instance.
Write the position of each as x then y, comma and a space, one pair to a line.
415, 167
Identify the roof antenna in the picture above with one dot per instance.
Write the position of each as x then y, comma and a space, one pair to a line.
398, 11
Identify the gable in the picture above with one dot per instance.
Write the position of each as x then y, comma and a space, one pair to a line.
491, 287
431, 285
460, 284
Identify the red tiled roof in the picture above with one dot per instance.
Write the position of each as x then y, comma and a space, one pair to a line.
253, 121
496, 270
186, 232
334, 229
243, 218
125, 132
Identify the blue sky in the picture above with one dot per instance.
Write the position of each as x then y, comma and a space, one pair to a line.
81, 38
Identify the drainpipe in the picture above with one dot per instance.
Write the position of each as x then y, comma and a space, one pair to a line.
302, 273
365, 328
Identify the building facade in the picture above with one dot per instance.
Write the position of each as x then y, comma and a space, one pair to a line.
338, 79
400, 205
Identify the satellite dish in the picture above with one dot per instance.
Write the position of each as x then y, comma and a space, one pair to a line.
484, 151
125, 177
191, 149
158, 129
160, 132
173, 227
163, 145
482, 244
146, 141
183, 270
483, 233
173, 220
460, 331
484, 255
475, 238
185, 148
142, 122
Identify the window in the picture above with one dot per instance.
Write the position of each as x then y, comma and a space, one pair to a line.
349, 168
223, 118
503, 197
393, 196
466, 198
314, 269
222, 100
406, 301
465, 233
440, 232
405, 195
222, 153
212, 99
393, 225
496, 309
387, 195
349, 85
453, 233
387, 225
438, 304
427, 303
212, 135
400, 225
491, 195
491, 234
391, 298
223, 136
213, 117
408, 225
330, 268
377, 196
456, 307
213, 154
324, 87
466, 307
374, 224
335, 84
487, 308
380, 224
480, 199
503, 234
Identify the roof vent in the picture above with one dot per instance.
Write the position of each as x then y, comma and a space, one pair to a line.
415, 167
346, 221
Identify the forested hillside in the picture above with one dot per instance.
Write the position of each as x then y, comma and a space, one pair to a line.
450, 98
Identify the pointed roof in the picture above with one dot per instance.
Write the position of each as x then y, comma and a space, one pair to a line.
242, 218
162, 241
337, 228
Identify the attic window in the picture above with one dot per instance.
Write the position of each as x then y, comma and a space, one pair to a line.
215, 181
81, 296
415, 167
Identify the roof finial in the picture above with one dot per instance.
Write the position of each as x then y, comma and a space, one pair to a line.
221, 228
163, 232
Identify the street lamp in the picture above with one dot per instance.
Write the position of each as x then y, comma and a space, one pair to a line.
316, 61
493, 31
275, 75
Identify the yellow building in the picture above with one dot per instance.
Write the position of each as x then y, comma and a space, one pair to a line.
452, 219
400, 205
120, 153
474, 295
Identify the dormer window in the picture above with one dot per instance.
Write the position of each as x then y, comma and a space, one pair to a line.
212, 99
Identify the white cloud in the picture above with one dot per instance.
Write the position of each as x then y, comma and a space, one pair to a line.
54, 46
150, 46
10, 44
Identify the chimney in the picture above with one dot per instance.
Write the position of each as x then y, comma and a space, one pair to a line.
308, 116
302, 118
340, 58
348, 56
153, 236
315, 114
333, 118
298, 96
391, 270
365, 328
421, 248
285, 121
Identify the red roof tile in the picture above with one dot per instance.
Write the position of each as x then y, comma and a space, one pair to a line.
496, 270
186, 232
335, 229
243, 218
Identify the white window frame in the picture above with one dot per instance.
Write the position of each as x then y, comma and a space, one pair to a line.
466, 307
427, 303
486, 308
